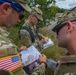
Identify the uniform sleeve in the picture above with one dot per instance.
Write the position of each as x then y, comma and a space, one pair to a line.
39, 70
40, 36
26, 40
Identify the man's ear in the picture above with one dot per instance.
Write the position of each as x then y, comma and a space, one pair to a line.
5, 7
70, 26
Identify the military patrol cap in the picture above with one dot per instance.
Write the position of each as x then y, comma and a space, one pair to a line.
37, 12
23, 4
18, 4
67, 15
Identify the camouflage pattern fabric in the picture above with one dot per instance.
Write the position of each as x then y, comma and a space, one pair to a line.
67, 66
7, 48
39, 71
26, 38
67, 15
37, 12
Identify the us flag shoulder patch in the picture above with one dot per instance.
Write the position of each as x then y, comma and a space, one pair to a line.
10, 63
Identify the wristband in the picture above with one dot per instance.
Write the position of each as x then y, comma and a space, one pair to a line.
44, 63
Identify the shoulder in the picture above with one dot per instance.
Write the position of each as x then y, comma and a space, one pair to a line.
24, 32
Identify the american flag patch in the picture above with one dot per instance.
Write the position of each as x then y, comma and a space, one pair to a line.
10, 63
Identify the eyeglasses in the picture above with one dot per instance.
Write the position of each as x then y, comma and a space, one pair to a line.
59, 26
21, 16
18, 8
39, 21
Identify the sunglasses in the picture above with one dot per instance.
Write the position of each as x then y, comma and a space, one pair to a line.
21, 16
59, 26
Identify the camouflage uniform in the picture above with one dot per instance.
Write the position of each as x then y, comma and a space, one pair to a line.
25, 36
9, 58
26, 40
7, 48
9, 53
67, 64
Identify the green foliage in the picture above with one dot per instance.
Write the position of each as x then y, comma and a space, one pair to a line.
47, 7
60, 10
23, 20
14, 35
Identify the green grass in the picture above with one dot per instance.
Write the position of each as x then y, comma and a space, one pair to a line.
52, 52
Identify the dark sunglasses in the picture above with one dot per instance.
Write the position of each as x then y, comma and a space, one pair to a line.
21, 16
38, 20
59, 26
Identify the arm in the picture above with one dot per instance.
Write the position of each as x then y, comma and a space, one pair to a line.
40, 36
43, 38
41, 69
26, 40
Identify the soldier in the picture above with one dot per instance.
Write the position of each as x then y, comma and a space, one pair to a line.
29, 32
66, 38
11, 12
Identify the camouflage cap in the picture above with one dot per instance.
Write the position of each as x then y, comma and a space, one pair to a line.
23, 4
37, 12
67, 15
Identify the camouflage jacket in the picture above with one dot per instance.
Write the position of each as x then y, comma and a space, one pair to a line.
26, 39
9, 54
67, 65
9, 50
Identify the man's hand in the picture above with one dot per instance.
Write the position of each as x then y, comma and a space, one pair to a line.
44, 40
23, 48
42, 59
